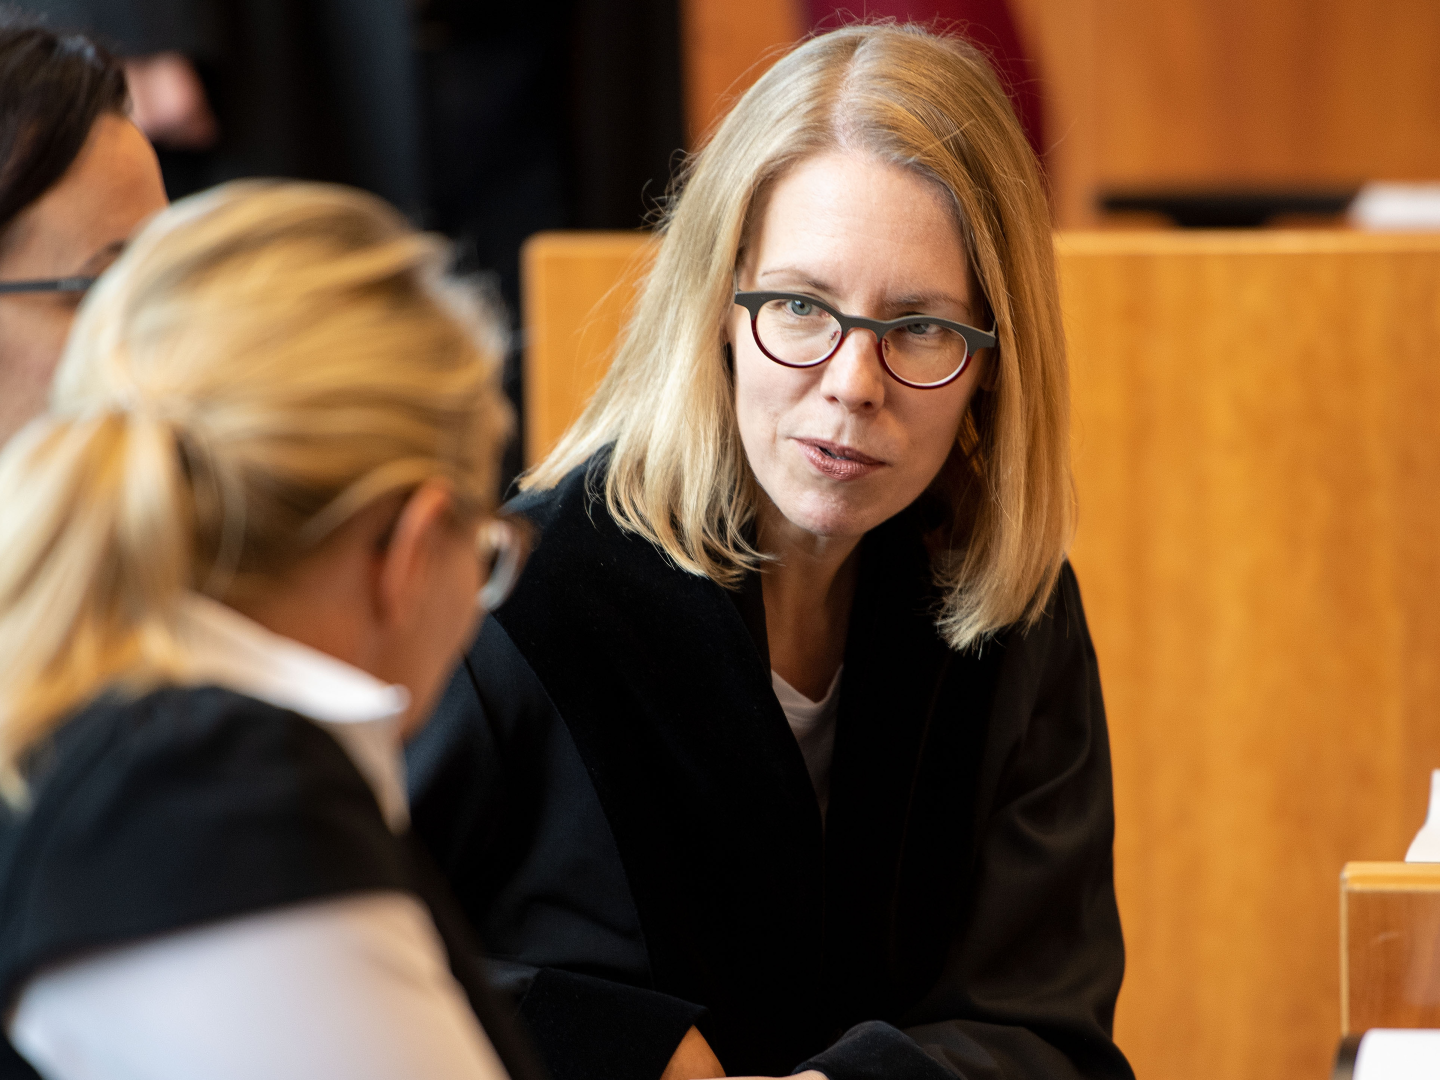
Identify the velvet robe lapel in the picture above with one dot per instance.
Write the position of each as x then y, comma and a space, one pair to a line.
702, 783
908, 747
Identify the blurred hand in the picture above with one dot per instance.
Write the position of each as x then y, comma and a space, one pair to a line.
693, 1060
167, 102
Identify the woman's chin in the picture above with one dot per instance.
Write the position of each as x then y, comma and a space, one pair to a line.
830, 517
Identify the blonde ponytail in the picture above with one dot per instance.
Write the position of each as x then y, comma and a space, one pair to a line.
264, 361
94, 545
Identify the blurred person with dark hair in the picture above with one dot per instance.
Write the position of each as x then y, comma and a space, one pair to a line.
486, 122
76, 178
236, 88
565, 115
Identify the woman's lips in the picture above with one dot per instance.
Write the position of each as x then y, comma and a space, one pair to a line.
837, 461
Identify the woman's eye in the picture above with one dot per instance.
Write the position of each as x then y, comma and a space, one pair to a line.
800, 308
922, 329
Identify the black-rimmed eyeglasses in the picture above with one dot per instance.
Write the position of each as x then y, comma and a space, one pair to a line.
916, 350
43, 285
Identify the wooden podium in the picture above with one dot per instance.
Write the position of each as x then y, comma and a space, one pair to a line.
1389, 946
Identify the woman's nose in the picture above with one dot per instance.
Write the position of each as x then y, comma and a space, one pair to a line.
854, 376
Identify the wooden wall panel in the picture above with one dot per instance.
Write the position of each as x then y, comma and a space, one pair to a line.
1184, 93
1257, 436
1196, 93
1061, 36
1257, 432
728, 44
1285, 91
577, 288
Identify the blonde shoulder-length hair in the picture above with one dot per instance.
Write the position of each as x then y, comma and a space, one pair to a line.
677, 473
264, 361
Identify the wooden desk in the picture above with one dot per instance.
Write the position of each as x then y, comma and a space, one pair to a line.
1257, 450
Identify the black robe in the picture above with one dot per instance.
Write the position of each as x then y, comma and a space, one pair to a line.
195, 805
615, 794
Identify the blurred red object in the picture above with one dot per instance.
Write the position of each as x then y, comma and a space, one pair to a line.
987, 23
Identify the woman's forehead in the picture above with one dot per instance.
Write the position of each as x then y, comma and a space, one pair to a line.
848, 224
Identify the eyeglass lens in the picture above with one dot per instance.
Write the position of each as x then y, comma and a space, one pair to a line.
502, 554
803, 334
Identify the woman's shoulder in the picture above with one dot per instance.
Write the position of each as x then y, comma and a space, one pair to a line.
179, 807
1050, 659
130, 748
579, 543
1062, 623
595, 595
576, 503
1058, 637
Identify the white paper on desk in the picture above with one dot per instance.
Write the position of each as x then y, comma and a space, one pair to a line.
1426, 845
1407, 207
1398, 1054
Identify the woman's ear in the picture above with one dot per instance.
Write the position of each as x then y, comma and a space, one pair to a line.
410, 551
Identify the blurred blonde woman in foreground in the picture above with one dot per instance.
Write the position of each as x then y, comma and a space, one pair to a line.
237, 559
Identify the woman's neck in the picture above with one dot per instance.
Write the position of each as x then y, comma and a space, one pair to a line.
808, 592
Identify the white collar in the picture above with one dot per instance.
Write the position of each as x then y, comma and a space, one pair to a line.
224, 648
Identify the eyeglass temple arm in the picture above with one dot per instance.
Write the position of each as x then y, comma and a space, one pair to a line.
65, 284
980, 339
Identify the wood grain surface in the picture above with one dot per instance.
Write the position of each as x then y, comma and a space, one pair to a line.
1257, 450
1389, 946
1206, 93
577, 288
1257, 435
1190, 93
726, 45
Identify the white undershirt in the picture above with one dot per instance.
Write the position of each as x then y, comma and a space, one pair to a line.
813, 723
356, 987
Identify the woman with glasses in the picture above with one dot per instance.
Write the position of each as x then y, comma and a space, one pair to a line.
789, 754
76, 178
238, 561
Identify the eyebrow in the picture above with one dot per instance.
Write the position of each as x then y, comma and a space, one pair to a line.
917, 300
800, 277
929, 299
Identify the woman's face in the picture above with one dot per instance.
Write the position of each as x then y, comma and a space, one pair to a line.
76, 228
841, 447
444, 620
